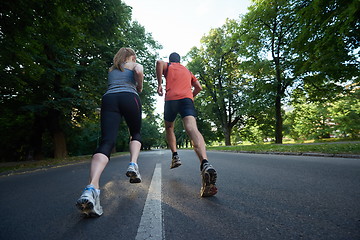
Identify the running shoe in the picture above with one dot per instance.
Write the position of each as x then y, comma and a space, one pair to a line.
175, 162
89, 202
208, 175
133, 173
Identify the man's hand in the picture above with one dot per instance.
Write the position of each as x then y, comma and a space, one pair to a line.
160, 90
139, 89
197, 88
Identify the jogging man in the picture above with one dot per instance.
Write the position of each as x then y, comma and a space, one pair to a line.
179, 98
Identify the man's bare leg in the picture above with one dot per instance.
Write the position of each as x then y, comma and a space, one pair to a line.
208, 173
196, 137
170, 135
171, 140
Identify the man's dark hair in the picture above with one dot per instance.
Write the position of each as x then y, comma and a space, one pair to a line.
174, 57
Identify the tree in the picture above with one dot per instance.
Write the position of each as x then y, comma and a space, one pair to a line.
309, 120
345, 113
298, 38
327, 45
270, 29
315, 120
217, 66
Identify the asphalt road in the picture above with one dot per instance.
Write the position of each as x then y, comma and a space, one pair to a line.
260, 197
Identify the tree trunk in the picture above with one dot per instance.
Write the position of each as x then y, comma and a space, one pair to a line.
278, 121
60, 149
36, 139
279, 93
227, 135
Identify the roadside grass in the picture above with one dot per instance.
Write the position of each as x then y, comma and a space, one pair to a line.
322, 140
326, 148
13, 167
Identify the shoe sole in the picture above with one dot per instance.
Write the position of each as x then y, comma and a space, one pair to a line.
133, 177
209, 188
178, 164
87, 208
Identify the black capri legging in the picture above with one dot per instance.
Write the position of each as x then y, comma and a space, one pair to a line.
113, 107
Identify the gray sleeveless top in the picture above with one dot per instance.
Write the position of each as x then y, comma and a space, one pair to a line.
119, 81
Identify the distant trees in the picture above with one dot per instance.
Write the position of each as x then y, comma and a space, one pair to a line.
54, 57
315, 120
216, 65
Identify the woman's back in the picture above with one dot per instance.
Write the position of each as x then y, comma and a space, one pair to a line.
119, 81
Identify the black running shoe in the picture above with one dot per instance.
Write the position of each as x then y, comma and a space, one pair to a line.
208, 175
175, 162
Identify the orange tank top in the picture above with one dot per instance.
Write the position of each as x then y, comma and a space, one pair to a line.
178, 82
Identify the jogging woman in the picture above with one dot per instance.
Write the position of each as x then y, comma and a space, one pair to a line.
125, 81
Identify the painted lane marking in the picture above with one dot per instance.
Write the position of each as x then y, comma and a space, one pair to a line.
151, 220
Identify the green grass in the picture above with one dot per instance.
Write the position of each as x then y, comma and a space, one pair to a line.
327, 148
13, 167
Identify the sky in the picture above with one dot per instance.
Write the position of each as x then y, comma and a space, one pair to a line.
179, 25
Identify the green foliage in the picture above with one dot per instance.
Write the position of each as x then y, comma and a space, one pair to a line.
270, 28
54, 60
327, 148
54, 57
327, 46
84, 139
315, 120
256, 128
150, 134
346, 115
217, 67
308, 45
251, 67
310, 121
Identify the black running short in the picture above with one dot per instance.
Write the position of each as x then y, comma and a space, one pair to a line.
185, 107
114, 107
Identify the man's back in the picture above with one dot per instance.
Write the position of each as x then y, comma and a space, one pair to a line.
178, 82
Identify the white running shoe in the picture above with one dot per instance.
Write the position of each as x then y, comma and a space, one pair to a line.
133, 173
89, 202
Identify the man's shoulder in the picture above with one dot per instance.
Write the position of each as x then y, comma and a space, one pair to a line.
161, 62
176, 65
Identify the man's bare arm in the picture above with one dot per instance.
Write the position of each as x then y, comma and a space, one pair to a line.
161, 67
197, 88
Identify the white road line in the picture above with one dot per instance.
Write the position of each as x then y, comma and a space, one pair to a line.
151, 220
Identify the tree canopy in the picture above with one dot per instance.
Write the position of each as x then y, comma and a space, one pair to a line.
251, 67
55, 55
54, 61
